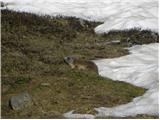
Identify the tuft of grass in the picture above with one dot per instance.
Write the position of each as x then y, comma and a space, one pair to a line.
33, 48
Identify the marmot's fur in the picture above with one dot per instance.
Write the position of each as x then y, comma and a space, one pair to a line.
81, 64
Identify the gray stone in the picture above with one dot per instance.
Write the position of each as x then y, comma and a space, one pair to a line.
114, 42
45, 84
20, 101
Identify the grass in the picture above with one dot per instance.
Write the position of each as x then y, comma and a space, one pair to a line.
33, 48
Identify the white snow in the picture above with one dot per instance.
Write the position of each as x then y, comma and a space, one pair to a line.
72, 115
116, 14
140, 68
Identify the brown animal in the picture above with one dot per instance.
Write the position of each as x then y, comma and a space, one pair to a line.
81, 64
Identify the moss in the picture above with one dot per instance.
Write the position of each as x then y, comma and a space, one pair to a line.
33, 48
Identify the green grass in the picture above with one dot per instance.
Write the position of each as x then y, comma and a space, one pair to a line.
33, 48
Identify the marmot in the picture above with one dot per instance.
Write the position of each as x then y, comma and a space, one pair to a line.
81, 64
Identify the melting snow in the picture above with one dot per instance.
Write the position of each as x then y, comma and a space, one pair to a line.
116, 14
140, 68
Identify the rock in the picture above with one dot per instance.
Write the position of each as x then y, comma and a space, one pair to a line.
3, 4
45, 84
20, 101
113, 42
82, 22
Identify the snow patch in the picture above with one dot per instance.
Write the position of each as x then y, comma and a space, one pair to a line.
116, 14
140, 68
72, 115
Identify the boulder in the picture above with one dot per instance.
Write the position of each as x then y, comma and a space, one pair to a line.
20, 101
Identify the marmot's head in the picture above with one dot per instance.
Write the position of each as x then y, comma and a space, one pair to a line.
69, 60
